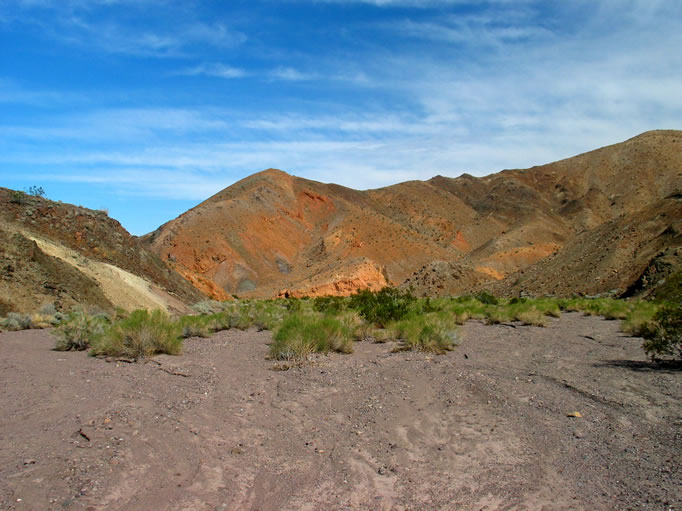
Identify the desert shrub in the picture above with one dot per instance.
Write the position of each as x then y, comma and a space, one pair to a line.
380, 307
463, 310
140, 335
429, 333
208, 307
48, 309
299, 336
16, 321
196, 326
516, 300
671, 290
37, 191
486, 298
78, 331
614, 309
268, 315
532, 317
496, 315
547, 306
640, 319
292, 304
17, 197
665, 338
428, 305
329, 304
42, 320
382, 335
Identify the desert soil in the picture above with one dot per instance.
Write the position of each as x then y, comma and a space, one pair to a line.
486, 426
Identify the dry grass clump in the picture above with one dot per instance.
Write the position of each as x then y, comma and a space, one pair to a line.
142, 334
532, 317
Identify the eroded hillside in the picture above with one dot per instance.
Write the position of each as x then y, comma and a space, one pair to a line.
273, 233
58, 253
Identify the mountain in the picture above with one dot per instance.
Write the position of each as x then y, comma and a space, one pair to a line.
275, 234
61, 254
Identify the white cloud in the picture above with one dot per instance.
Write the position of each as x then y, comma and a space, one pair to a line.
534, 98
214, 69
291, 74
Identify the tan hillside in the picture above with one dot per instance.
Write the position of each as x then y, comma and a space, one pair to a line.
612, 257
274, 233
58, 253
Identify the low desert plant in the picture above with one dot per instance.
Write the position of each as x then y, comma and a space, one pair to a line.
486, 298
299, 336
16, 321
665, 337
208, 307
329, 304
640, 319
17, 197
196, 326
425, 332
495, 315
36, 191
671, 290
140, 335
381, 307
48, 309
78, 331
532, 317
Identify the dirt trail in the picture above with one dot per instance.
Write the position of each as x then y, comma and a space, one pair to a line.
484, 427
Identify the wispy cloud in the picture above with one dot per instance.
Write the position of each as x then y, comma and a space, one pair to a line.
535, 85
291, 74
88, 23
214, 69
113, 38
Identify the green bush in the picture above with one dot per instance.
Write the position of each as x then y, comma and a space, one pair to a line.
140, 335
196, 326
292, 304
640, 319
329, 304
486, 298
671, 290
78, 331
299, 336
383, 306
665, 338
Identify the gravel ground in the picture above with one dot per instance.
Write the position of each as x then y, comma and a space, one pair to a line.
487, 426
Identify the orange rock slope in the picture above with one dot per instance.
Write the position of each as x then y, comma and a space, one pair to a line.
273, 233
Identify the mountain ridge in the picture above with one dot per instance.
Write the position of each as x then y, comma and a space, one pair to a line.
271, 232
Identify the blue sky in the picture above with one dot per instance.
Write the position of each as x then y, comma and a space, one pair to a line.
147, 107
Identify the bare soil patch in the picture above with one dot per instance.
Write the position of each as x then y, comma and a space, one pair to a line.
485, 427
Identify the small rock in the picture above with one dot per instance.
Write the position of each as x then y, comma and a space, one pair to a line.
577, 415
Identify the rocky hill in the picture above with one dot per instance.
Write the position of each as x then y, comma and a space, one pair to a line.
275, 234
61, 254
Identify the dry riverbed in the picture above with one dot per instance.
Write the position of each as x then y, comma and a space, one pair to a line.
490, 425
